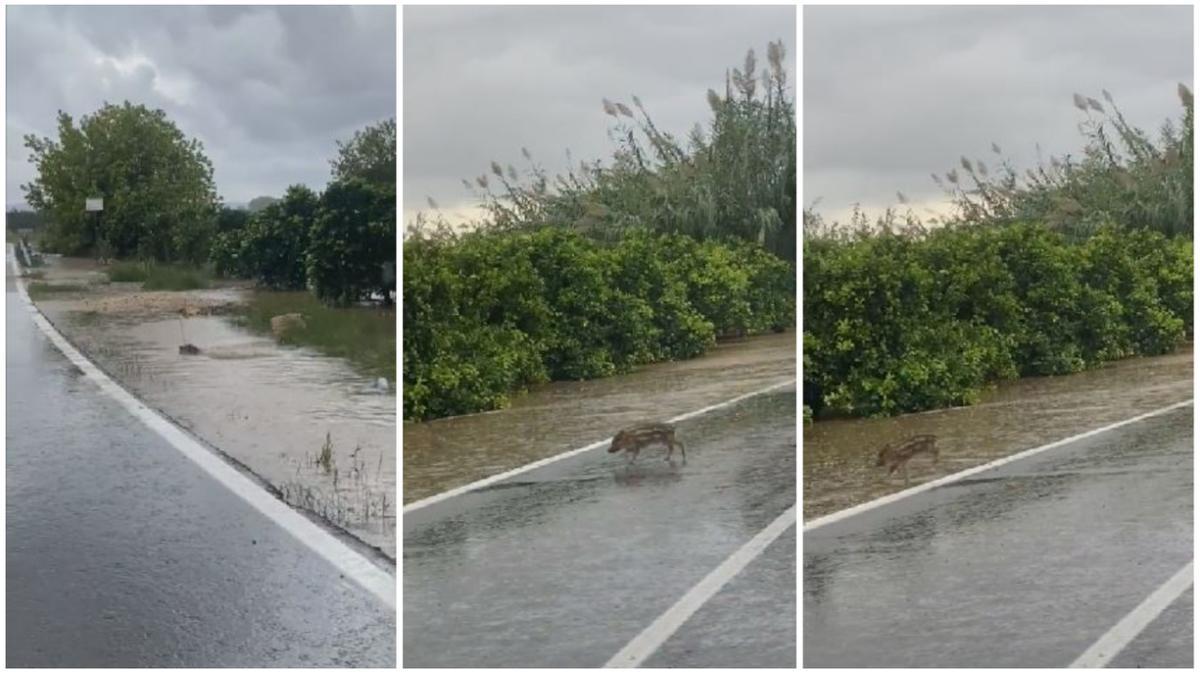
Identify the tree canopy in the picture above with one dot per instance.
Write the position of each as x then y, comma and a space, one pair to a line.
370, 155
159, 198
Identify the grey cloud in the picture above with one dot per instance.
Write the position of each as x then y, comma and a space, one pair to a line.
481, 82
892, 94
267, 90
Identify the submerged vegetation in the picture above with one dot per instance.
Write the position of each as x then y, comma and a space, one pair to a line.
648, 258
1077, 264
364, 336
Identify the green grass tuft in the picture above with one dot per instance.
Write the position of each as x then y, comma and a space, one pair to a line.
173, 278
158, 277
127, 271
41, 289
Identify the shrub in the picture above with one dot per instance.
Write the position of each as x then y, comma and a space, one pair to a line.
352, 243
899, 323
272, 245
488, 314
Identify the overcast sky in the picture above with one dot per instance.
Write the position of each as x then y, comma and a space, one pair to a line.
481, 82
267, 90
892, 94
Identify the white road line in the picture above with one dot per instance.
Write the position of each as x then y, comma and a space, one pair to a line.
917, 489
649, 640
422, 503
1119, 636
349, 562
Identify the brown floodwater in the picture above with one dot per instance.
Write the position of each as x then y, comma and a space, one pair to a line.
839, 455
560, 416
268, 407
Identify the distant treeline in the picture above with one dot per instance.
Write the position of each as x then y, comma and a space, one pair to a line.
23, 219
1079, 263
587, 274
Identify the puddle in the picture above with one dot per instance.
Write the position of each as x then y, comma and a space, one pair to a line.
560, 416
839, 455
266, 406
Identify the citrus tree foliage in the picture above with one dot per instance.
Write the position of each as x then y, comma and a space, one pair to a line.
370, 155
271, 248
159, 198
352, 243
488, 314
898, 322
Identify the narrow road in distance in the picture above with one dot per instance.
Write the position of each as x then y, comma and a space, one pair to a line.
121, 552
1033, 563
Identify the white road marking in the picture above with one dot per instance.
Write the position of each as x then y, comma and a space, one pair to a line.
421, 503
1119, 636
349, 562
649, 640
917, 489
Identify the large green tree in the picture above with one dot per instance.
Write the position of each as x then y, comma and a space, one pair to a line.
159, 199
370, 155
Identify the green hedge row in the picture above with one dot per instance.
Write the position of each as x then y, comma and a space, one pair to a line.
340, 244
488, 314
898, 324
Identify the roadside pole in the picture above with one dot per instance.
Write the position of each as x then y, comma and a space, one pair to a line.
95, 205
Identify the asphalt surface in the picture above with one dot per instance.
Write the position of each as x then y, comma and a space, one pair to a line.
564, 565
123, 553
1024, 565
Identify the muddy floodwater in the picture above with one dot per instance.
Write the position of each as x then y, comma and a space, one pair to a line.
839, 455
561, 416
270, 408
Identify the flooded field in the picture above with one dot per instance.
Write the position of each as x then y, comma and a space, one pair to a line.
560, 416
839, 455
268, 407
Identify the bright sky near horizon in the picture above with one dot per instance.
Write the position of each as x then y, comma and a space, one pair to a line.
893, 94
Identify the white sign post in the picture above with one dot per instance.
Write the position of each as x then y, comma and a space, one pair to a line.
94, 205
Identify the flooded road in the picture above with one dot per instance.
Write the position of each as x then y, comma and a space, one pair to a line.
123, 553
561, 416
268, 407
839, 455
1028, 564
564, 565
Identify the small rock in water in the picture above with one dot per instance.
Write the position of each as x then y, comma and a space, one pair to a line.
381, 384
189, 349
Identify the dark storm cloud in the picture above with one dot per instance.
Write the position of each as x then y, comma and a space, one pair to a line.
268, 90
893, 94
481, 82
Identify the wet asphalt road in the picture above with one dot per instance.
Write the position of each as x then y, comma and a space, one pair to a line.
562, 566
123, 553
1025, 565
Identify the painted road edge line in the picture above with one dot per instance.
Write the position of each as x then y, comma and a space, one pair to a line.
349, 562
1119, 636
917, 489
463, 489
649, 640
